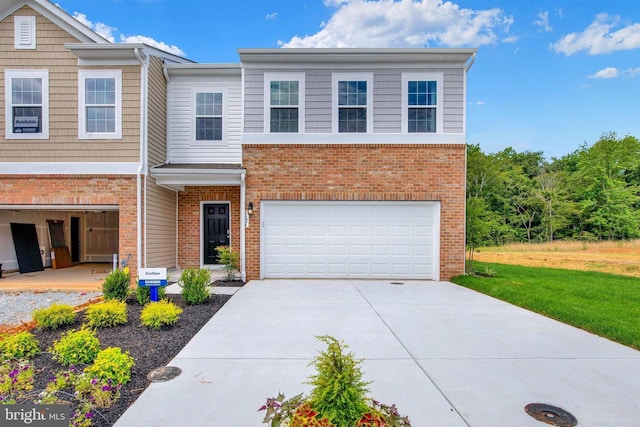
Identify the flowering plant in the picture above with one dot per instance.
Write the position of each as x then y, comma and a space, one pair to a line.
16, 379
338, 398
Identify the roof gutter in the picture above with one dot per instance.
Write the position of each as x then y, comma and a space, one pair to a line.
140, 192
470, 62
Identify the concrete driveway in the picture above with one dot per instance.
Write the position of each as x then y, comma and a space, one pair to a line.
445, 355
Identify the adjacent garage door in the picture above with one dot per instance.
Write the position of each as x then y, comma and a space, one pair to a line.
319, 239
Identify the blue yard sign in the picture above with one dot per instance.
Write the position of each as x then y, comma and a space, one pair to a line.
152, 278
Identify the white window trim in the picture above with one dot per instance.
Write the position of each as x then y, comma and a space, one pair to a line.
27, 23
438, 78
338, 77
9, 75
225, 115
270, 77
82, 111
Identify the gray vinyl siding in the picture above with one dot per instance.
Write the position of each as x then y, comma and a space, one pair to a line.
157, 113
387, 98
161, 226
180, 115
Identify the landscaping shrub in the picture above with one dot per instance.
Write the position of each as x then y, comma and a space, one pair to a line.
117, 284
162, 313
229, 261
339, 393
107, 314
55, 316
194, 283
22, 345
111, 364
75, 347
143, 294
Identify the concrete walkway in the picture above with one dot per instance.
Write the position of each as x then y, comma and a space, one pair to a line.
445, 355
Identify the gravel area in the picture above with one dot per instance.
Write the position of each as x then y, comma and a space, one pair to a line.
16, 307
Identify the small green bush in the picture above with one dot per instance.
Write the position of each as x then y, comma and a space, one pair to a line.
107, 314
75, 347
339, 392
55, 316
143, 294
112, 364
229, 261
22, 345
194, 282
162, 313
117, 285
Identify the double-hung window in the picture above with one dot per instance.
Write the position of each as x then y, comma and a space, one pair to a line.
209, 110
100, 104
284, 102
26, 104
422, 103
353, 111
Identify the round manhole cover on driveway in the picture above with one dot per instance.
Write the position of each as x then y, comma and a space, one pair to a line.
163, 374
551, 415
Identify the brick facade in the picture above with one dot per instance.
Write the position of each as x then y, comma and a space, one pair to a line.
361, 172
189, 215
119, 190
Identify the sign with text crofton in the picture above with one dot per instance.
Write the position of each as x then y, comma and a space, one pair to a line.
152, 277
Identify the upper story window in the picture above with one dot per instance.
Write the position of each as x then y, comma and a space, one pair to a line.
422, 103
352, 110
24, 28
208, 116
100, 104
26, 104
284, 102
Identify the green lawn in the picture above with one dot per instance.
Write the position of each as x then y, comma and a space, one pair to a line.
604, 304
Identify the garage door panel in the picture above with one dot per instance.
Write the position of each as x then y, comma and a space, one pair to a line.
349, 239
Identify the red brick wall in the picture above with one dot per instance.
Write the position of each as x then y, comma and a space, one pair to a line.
361, 172
189, 238
117, 190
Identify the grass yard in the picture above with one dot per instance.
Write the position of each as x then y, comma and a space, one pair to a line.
605, 304
615, 257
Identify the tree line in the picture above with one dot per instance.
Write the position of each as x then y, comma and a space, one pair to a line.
592, 193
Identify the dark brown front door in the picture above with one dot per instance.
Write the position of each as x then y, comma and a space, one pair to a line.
216, 230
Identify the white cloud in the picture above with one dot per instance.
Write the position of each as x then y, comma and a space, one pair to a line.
611, 72
543, 21
407, 23
103, 29
154, 43
605, 73
271, 16
598, 37
107, 32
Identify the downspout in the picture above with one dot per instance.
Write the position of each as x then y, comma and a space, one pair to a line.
141, 193
243, 225
167, 78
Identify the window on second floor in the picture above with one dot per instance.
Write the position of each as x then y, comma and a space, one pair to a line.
352, 109
284, 102
100, 104
208, 116
26, 104
422, 103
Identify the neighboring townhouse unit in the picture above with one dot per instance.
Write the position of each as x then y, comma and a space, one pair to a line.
309, 163
82, 119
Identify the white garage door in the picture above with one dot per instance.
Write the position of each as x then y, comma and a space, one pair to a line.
386, 240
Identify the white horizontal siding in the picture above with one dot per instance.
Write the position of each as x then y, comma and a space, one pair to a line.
387, 99
180, 145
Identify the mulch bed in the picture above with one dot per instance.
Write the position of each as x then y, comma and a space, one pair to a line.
151, 349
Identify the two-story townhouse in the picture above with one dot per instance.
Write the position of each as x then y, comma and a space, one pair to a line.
316, 163
355, 162
83, 118
310, 163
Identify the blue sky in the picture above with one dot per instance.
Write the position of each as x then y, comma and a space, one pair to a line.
549, 75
